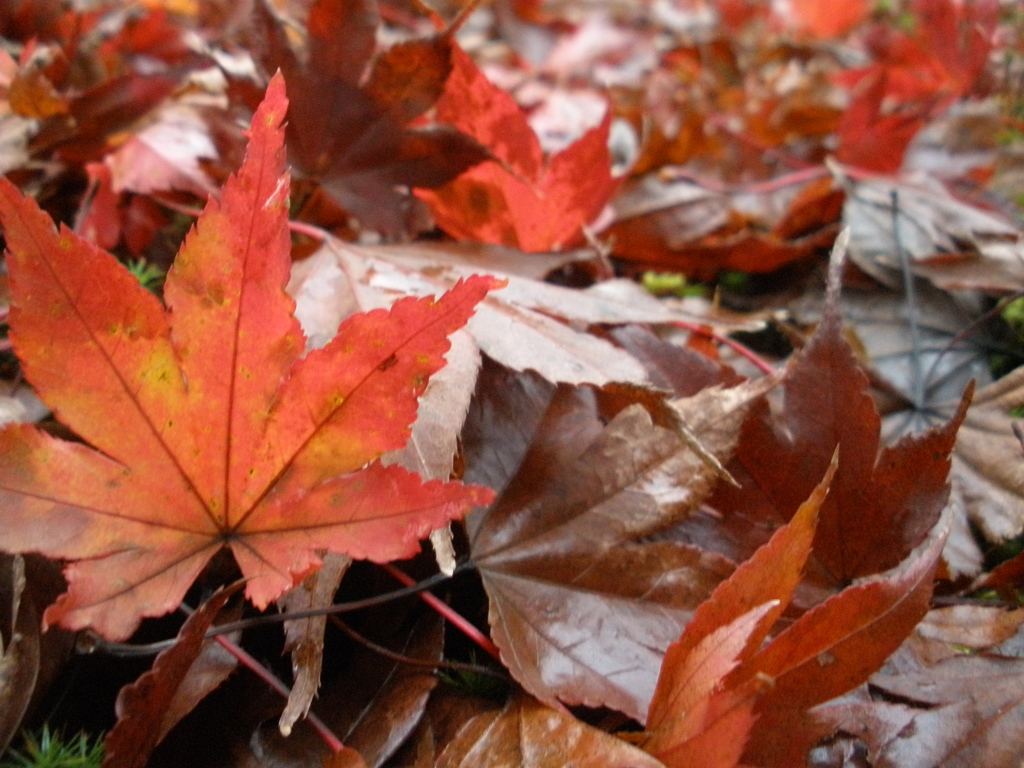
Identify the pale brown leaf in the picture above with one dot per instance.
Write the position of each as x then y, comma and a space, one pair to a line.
304, 638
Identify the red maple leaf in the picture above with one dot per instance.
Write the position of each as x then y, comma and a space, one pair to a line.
524, 201
914, 78
208, 426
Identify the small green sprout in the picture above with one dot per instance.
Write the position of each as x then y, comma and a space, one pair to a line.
670, 284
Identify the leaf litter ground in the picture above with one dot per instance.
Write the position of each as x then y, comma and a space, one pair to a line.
683, 554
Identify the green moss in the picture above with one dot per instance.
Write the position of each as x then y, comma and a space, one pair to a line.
49, 749
152, 278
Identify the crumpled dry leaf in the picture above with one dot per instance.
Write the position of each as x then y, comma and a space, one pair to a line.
988, 468
919, 218
304, 638
934, 705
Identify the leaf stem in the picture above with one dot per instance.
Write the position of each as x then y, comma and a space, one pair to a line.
447, 612
264, 674
745, 352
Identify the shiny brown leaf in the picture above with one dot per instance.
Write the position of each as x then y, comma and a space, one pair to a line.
582, 610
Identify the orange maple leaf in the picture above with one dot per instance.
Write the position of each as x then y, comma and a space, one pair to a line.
209, 427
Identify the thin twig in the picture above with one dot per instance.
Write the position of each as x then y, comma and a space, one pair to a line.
745, 352
389, 654
913, 318
92, 643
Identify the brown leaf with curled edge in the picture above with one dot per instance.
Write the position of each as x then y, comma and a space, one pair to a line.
580, 609
988, 468
143, 707
354, 137
19, 647
883, 503
527, 734
679, 225
971, 626
935, 706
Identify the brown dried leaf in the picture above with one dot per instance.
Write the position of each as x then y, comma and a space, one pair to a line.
580, 610
19, 647
971, 626
372, 706
304, 638
526, 734
935, 706
988, 468
144, 708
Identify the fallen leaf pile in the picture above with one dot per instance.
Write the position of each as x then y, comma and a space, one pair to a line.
688, 333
